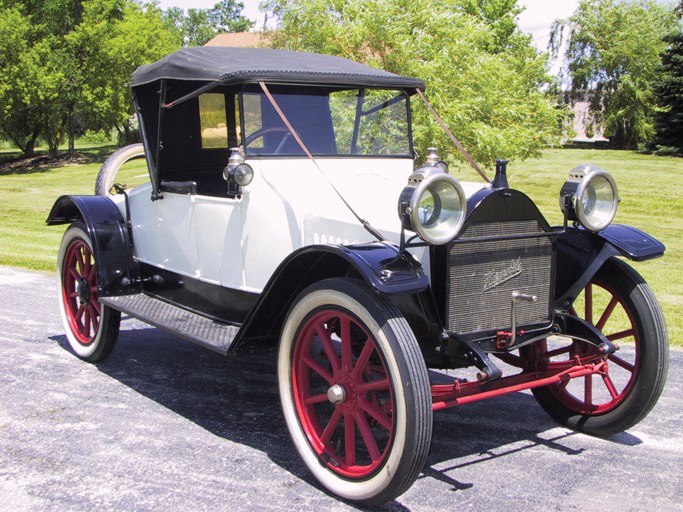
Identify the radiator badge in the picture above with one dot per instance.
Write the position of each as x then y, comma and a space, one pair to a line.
493, 278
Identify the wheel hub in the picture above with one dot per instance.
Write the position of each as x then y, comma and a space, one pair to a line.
336, 394
83, 290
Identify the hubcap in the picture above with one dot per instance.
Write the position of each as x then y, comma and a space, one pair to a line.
83, 290
336, 394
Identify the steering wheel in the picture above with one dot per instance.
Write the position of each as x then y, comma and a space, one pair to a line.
265, 131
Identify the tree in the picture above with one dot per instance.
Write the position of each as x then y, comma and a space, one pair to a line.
500, 16
64, 66
612, 56
116, 37
201, 25
483, 75
226, 16
669, 90
20, 117
57, 78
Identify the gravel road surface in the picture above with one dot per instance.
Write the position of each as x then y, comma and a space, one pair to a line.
166, 425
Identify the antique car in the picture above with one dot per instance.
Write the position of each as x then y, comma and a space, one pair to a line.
285, 205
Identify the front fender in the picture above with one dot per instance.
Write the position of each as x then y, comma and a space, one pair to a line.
632, 242
117, 273
381, 265
581, 253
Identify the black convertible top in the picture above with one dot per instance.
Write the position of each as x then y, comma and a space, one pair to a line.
239, 65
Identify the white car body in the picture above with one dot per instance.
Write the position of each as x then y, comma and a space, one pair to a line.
292, 197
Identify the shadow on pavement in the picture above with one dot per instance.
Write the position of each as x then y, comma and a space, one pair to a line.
237, 399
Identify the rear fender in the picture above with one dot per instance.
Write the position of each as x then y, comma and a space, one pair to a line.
117, 272
381, 265
581, 253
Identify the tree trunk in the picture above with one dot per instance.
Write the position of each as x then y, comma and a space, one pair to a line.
52, 143
27, 146
72, 140
618, 138
53, 149
31, 142
29, 149
120, 135
127, 136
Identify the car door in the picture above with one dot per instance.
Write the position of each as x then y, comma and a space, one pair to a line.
218, 234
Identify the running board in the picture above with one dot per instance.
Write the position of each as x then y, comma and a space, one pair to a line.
191, 326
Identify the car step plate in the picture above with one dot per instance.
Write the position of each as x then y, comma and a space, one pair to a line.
191, 326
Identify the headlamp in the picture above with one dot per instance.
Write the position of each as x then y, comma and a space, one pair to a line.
433, 205
243, 174
590, 197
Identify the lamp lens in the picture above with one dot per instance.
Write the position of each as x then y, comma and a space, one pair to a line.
440, 210
598, 202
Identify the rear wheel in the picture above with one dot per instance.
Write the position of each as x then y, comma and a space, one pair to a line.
91, 328
622, 306
355, 391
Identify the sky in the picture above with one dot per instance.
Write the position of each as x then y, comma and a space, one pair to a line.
536, 20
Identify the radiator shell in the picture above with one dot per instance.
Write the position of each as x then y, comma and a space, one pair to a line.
483, 274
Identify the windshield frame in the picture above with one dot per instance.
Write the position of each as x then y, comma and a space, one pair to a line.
319, 90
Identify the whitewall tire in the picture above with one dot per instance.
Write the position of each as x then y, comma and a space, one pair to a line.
355, 391
91, 328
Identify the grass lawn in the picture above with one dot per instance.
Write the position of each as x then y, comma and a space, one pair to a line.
26, 197
650, 187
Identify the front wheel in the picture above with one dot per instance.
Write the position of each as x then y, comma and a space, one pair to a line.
355, 391
91, 328
622, 306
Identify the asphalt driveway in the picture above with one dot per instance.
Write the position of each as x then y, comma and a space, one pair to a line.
165, 425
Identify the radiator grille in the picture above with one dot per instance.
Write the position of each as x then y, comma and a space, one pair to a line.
483, 275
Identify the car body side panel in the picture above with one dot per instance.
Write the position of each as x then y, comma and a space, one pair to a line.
291, 204
218, 228
144, 217
177, 234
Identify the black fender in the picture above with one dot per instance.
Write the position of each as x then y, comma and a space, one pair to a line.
381, 265
117, 272
581, 253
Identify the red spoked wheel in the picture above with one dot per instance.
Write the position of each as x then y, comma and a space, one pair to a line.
91, 328
345, 358
342, 394
79, 292
620, 305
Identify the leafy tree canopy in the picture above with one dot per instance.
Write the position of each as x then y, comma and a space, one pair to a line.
612, 55
64, 65
20, 81
483, 75
200, 25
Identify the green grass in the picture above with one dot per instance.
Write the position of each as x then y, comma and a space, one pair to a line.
26, 197
651, 189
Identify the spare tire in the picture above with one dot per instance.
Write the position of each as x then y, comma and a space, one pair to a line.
107, 175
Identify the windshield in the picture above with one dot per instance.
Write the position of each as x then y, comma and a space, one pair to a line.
359, 122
